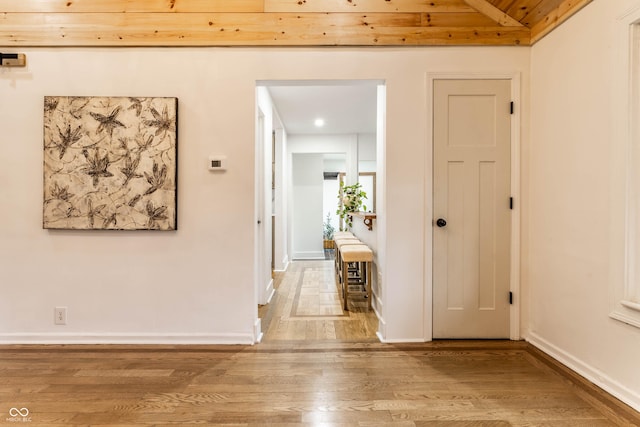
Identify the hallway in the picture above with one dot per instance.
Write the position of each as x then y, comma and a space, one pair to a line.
306, 306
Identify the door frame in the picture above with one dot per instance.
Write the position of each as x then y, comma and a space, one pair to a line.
514, 265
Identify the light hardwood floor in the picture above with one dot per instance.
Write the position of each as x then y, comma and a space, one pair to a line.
306, 306
451, 384
316, 378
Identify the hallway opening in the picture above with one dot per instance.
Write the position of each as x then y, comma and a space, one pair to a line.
298, 167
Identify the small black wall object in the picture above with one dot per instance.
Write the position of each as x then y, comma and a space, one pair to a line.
12, 59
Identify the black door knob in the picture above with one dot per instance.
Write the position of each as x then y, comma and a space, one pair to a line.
441, 222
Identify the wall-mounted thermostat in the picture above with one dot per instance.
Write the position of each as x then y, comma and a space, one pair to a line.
217, 163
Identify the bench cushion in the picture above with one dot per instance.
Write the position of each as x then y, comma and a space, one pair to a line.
356, 253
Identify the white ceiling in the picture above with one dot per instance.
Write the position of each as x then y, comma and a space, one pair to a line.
346, 106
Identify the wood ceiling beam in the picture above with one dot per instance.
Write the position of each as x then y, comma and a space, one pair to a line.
474, 19
503, 4
131, 6
521, 8
367, 6
233, 6
540, 12
556, 17
486, 8
243, 29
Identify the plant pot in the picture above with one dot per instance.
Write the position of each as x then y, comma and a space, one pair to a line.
328, 244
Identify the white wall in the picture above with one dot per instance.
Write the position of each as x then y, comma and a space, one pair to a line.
334, 144
281, 254
334, 165
307, 192
575, 248
197, 284
367, 152
346, 145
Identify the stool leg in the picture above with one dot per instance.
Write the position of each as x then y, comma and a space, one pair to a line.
363, 274
339, 265
345, 284
368, 284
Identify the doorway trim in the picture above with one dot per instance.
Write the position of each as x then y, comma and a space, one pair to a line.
514, 274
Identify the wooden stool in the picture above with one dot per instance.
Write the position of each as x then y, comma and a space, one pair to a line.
338, 244
362, 255
341, 234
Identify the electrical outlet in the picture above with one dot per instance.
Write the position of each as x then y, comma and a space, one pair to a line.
60, 316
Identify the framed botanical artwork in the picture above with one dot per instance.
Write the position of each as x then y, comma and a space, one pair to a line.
110, 163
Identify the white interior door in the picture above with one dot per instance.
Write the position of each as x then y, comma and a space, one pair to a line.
471, 205
261, 236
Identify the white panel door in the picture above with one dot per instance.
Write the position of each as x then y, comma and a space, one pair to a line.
472, 217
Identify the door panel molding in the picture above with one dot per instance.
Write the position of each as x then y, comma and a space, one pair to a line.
514, 274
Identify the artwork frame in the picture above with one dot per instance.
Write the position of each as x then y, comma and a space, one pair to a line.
110, 163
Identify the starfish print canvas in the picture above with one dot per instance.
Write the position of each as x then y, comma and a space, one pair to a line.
110, 163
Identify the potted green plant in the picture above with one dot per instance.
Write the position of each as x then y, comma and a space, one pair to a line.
351, 200
327, 232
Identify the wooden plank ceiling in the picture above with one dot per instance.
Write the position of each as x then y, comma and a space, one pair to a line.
280, 22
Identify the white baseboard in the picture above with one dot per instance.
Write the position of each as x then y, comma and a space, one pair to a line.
399, 340
309, 255
284, 268
268, 293
140, 339
594, 375
284, 264
257, 331
382, 333
382, 326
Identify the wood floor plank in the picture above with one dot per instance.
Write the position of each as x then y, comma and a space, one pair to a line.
297, 383
319, 370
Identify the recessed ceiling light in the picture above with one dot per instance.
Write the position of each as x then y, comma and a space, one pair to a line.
319, 123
